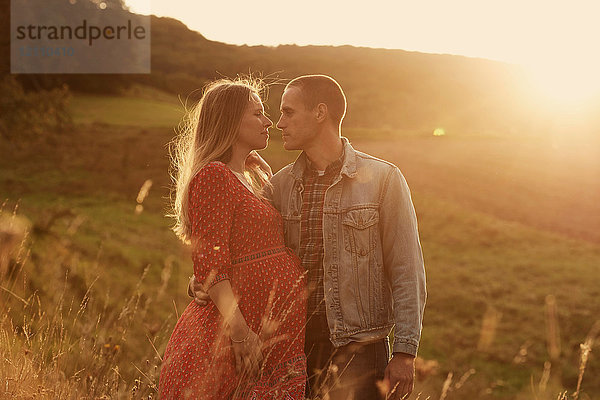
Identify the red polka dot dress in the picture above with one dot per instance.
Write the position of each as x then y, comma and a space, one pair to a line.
239, 237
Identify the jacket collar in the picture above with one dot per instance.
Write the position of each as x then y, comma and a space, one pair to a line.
348, 166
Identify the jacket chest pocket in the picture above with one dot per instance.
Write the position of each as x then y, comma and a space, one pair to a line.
360, 230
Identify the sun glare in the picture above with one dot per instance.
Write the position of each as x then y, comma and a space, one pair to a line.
567, 82
555, 41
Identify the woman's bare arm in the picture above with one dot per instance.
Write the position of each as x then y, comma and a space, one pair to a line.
246, 343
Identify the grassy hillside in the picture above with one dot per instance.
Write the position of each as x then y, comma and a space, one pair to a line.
130, 111
96, 286
387, 89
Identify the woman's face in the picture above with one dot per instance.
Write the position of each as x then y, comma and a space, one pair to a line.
254, 134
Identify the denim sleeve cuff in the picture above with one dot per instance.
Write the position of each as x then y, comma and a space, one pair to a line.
403, 347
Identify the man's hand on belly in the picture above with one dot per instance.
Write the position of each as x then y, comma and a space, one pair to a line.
196, 291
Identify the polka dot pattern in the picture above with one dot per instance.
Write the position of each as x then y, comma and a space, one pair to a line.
230, 223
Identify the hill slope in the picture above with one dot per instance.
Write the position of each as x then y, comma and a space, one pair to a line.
482, 268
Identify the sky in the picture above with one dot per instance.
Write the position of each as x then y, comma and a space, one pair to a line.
558, 40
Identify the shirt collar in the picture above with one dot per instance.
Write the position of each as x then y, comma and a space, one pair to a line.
332, 169
348, 162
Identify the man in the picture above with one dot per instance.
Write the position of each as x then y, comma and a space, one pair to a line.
350, 218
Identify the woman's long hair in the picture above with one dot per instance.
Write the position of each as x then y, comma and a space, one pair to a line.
207, 133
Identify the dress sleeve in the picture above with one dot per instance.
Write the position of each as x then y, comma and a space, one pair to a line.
211, 208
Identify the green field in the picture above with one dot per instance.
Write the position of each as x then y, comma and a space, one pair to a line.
507, 227
141, 112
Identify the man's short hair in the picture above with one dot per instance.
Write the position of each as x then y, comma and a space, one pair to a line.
322, 89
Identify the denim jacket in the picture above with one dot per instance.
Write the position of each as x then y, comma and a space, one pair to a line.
374, 277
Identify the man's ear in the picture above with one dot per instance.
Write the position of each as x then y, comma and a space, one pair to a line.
322, 111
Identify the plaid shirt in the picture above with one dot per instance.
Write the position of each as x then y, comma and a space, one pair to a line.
311, 250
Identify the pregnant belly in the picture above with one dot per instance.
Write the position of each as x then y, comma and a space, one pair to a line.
269, 288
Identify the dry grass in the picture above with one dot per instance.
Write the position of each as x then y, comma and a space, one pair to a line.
60, 347
78, 319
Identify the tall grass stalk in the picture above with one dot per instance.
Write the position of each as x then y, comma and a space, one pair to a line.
54, 345
586, 348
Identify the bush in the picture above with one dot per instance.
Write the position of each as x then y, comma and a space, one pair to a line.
36, 114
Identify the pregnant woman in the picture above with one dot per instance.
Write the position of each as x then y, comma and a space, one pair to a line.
248, 342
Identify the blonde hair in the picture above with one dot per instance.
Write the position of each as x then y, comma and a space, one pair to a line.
207, 133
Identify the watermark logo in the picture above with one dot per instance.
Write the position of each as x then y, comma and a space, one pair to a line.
78, 36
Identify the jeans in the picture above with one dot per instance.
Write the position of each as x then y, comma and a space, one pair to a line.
348, 372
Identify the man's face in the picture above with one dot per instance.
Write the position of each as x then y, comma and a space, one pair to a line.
297, 123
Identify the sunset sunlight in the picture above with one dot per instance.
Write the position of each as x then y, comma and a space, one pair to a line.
564, 82
555, 41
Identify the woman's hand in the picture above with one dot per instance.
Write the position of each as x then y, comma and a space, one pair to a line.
247, 346
254, 159
248, 351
